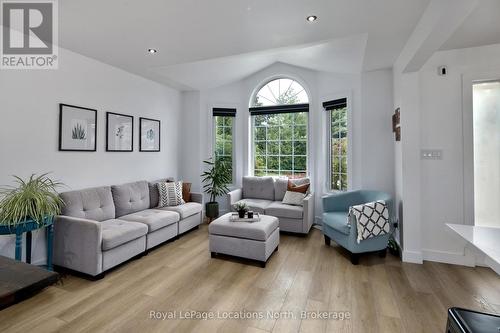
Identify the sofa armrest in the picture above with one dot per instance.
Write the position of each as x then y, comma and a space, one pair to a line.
233, 197
77, 244
308, 213
197, 197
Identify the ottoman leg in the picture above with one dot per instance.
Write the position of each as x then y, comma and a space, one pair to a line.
276, 249
263, 264
327, 240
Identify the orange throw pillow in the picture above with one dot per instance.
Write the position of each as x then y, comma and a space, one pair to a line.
186, 192
297, 188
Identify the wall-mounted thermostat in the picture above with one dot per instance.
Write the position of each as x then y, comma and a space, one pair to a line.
442, 70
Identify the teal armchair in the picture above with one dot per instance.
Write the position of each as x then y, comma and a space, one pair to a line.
335, 226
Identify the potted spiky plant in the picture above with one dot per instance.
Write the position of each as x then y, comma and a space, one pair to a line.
33, 200
216, 178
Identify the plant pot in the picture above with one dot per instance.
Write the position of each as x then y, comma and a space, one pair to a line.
212, 209
241, 214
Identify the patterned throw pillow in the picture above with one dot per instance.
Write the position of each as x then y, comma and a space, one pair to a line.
297, 186
170, 194
294, 198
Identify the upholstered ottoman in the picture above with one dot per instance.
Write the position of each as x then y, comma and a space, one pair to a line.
256, 240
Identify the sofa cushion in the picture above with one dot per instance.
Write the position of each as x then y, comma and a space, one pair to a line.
256, 205
258, 188
260, 231
337, 221
117, 232
91, 203
131, 197
280, 209
153, 191
154, 218
280, 187
185, 210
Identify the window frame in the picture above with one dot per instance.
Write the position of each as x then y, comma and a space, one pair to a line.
214, 145
328, 135
253, 155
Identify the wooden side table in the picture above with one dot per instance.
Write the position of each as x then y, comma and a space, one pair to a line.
27, 227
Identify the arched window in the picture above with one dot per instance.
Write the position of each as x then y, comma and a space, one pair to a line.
280, 92
279, 111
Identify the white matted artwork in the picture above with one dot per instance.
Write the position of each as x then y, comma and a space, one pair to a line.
119, 132
149, 135
77, 128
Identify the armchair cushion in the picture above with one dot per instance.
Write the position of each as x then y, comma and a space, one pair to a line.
337, 221
279, 209
185, 210
117, 232
154, 218
257, 205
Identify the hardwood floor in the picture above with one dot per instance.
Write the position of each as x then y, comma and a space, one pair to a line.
379, 295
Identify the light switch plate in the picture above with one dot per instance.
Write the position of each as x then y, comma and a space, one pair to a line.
431, 154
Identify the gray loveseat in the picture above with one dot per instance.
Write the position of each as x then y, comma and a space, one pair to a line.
104, 226
264, 195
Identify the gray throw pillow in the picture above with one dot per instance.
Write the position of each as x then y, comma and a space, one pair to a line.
294, 198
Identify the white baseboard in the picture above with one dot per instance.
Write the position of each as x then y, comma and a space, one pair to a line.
454, 258
412, 257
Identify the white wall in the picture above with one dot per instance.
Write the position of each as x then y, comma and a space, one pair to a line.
370, 97
29, 126
435, 192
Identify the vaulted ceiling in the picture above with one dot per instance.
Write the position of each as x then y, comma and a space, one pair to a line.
204, 44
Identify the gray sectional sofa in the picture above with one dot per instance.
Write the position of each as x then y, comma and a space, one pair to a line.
104, 226
265, 194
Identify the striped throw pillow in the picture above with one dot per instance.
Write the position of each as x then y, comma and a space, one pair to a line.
170, 194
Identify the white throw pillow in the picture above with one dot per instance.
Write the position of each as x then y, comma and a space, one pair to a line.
294, 198
170, 194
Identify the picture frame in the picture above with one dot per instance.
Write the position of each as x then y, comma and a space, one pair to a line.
119, 132
149, 135
77, 128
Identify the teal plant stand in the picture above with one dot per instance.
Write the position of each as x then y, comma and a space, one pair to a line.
27, 227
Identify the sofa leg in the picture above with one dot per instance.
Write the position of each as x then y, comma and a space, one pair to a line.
263, 264
382, 253
327, 240
213, 254
276, 249
354, 258
98, 277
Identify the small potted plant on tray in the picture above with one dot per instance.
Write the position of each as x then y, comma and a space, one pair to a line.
241, 208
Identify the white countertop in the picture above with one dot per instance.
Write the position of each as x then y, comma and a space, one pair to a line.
485, 239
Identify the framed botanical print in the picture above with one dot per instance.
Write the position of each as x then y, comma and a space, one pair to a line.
149, 135
77, 128
119, 132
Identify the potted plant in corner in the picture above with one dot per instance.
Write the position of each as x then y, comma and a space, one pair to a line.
215, 180
241, 208
30, 205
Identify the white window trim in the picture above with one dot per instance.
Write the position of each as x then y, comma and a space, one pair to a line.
327, 129
214, 136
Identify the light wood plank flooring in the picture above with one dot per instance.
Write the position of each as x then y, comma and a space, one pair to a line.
381, 295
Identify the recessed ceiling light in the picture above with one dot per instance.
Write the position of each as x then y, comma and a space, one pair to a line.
152, 51
311, 18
